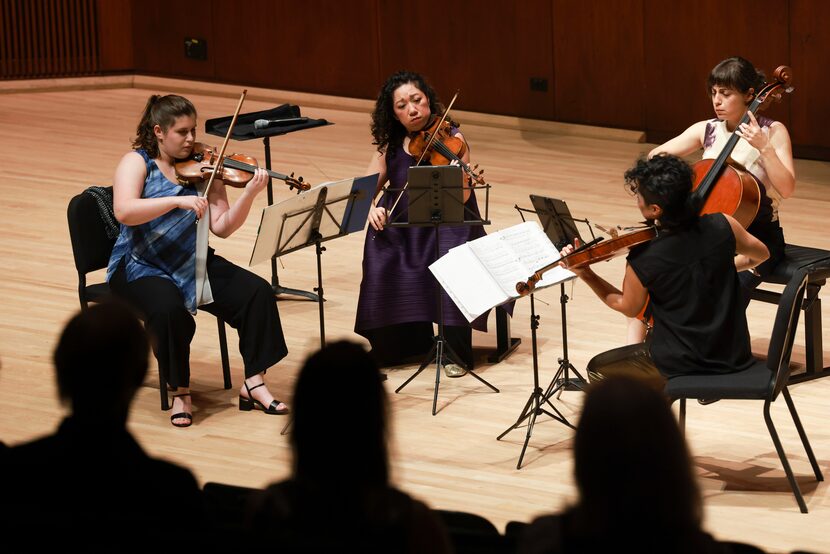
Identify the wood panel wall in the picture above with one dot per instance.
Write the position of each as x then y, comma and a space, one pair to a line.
48, 38
685, 40
632, 64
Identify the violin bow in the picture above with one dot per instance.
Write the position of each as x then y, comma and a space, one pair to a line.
424, 153
221, 160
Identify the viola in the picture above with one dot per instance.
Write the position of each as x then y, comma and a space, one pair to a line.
721, 185
598, 250
436, 141
236, 170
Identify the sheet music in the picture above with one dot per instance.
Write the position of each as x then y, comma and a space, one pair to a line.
533, 247
501, 261
467, 282
483, 273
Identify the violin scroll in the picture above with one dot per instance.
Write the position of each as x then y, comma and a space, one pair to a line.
296, 183
526, 287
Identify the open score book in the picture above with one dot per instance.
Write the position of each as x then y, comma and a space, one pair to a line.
483, 273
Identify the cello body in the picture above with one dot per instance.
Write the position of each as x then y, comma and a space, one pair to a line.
736, 191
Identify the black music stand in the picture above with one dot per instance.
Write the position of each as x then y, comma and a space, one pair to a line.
323, 213
435, 199
560, 228
280, 120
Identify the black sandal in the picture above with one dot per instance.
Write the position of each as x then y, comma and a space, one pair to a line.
182, 415
248, 404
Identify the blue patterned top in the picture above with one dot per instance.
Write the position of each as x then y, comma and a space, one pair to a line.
164, 247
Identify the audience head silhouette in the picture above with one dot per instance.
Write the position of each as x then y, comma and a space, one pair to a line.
632, 466
104, 345
339, 396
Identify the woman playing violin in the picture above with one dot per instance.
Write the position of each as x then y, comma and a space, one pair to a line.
689, 274
397, 306
155, 263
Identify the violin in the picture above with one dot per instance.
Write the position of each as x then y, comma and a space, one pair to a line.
598, 250
236, 170
437, 142
721, 185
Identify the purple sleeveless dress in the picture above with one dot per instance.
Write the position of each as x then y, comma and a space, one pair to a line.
397, 287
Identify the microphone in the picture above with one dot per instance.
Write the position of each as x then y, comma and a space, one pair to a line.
265, 123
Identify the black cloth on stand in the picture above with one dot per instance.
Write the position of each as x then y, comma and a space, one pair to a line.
244, 128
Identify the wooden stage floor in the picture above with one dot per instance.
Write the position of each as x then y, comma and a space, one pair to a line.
56, 143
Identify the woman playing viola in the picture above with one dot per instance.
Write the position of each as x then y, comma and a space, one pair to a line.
397, 307
765, 151
690, 275
162, 267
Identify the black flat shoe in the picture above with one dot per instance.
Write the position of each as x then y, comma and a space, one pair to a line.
248, 404
182, 415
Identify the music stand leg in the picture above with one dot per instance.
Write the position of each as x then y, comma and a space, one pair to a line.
561, 380
440, 350
319, 289
535, 404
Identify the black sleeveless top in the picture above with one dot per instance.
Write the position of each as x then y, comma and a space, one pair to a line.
699, 319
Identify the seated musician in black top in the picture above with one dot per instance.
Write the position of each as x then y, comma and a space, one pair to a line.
689, 272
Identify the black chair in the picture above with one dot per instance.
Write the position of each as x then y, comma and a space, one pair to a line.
816, 263
764, 380
91, 248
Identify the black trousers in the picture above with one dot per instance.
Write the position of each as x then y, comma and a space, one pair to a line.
771, 234
633, 360
244, 300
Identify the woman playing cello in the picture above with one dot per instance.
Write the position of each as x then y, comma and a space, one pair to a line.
765, 151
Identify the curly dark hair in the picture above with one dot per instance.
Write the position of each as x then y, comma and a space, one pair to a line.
386, 129
161, 111
736, 73
665, 180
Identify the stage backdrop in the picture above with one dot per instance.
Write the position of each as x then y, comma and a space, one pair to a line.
632, 64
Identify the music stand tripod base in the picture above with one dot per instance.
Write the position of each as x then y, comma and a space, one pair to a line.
280, 290
535, 405
441, 351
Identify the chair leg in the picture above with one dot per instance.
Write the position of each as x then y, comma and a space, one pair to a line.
223, 349
803, 434
783, 457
